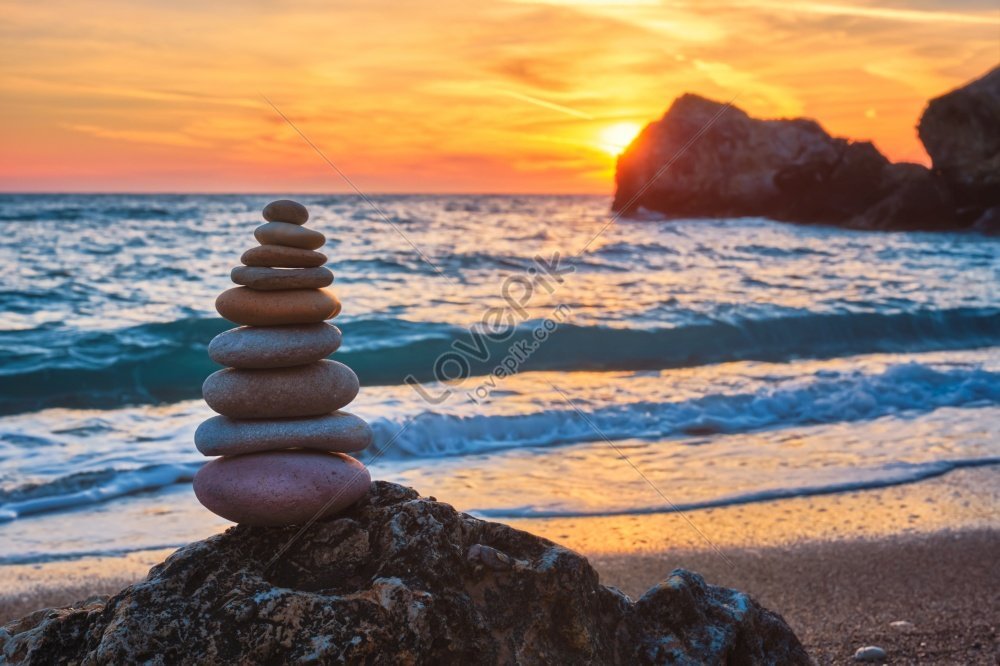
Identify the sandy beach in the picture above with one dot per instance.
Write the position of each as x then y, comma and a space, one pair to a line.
840, 568
842, 595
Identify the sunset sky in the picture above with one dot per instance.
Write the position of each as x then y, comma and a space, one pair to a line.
469, 96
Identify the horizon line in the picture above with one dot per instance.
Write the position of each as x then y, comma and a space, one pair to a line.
288, 193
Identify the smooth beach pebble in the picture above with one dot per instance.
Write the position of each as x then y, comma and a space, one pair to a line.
272, 279
285, 210
274, 346
290, 235
280, 487
250, 307
341, 432
870, 653
305, 390
279, 256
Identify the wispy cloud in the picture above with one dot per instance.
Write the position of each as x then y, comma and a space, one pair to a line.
886, 13
545, 104
138, 136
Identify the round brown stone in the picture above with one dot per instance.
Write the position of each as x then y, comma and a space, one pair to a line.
271, 279
305, 390
279, 256
289, 235
250, 307
274, 346
285, 210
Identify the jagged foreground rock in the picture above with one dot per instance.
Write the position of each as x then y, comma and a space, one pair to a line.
399, 579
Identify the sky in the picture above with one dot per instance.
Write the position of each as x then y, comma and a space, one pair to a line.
432, 96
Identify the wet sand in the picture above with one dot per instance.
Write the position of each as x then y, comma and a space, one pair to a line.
839, 568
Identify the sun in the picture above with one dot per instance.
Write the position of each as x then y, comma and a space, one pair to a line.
614, 139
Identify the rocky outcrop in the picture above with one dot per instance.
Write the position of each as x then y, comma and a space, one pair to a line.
398, 579
707, 159
961, 131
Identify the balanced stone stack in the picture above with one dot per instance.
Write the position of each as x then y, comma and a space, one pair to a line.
282, 440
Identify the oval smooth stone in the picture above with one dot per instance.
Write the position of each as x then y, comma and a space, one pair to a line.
341, 432
281, 487
279, 256
305, 390
289, 235
286, 210
274, 346
272, 279
250, 307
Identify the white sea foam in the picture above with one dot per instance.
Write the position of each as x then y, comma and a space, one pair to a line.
647, 407
827, 397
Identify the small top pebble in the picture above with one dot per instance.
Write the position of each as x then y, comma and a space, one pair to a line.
870, 653
285, 210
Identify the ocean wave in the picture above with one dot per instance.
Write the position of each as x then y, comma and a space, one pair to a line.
47, 556
76, 213
87, 488
896, 474
905, 390
159, 363
96, 207
831, 397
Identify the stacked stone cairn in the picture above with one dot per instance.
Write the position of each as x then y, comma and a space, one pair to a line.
283, 442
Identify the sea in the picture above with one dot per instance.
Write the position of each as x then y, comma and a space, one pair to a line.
520, 357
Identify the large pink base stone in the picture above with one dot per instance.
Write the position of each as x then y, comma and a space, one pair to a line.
277, 488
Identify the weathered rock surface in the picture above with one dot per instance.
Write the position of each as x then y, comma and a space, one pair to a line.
916, 199
789, 170
399, 579
291, 235
961, 132
340, 431
704, 159
279, 256
304, 390
286, 210
271, 279
274, 346
276, 488
250, 307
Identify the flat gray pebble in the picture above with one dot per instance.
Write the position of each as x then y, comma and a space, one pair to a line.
274, 346
261, 278
340, 432
305, 390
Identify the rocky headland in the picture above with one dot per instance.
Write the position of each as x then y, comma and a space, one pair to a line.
398, 578
707, 159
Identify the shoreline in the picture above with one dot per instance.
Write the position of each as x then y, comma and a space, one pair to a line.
839, 568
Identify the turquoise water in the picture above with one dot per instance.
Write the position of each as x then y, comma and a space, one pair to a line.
701, 347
